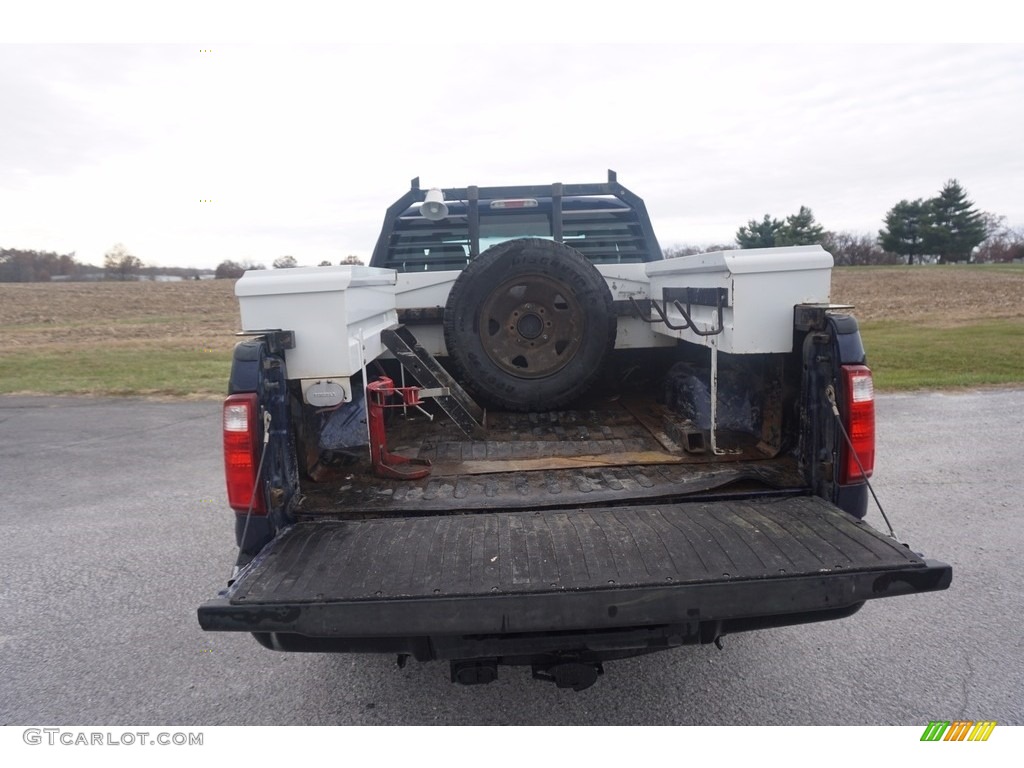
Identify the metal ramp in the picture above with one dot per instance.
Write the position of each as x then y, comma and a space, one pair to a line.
423, 366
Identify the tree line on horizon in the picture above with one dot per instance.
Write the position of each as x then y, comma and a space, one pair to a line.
944, 229
229, 269
31, 266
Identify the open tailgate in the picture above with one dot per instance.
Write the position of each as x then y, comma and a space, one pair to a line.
584, 569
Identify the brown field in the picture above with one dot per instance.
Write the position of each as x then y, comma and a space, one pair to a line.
88, 338
186, 314
935, 296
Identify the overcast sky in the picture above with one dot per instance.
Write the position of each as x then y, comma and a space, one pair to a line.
302, 147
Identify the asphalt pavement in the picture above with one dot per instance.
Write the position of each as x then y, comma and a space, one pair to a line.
113, 528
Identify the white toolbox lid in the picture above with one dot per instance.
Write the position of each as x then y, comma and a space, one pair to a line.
270, 282
745, 261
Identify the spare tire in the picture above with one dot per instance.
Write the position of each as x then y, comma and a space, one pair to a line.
528, 325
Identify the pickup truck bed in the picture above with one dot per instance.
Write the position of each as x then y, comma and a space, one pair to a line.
610, 453
625, 567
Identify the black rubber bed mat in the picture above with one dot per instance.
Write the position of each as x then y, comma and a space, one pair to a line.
364, 583
522, 552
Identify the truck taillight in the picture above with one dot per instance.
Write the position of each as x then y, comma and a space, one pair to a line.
859, 419
241, 453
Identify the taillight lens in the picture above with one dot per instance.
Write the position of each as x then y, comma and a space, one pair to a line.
859, 419
241, 453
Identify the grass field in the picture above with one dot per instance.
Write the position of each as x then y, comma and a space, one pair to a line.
923, 327
157, 339
938, 327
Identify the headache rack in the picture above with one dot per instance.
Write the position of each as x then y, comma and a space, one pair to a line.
606, 222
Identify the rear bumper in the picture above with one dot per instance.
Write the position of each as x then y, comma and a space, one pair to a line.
568, 611
702, 569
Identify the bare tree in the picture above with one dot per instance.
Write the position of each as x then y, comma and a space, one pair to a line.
1003, 244
229, 270
120, 264
20, 266
285, 262
849, 249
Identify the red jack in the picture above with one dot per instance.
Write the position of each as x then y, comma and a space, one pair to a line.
386, 464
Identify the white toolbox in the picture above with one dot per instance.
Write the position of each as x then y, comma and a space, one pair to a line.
757, 289
336, 313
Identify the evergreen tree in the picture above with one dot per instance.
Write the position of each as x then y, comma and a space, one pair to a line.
800, 229
955, 227
761, 234
906, 225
